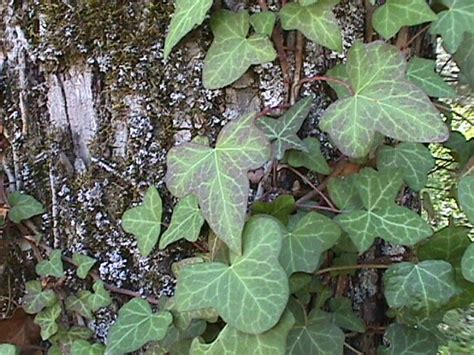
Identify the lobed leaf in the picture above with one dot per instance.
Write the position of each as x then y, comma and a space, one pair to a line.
52, 267
80, 304
84, 264
466, 196
405, 340
461, 149
421, 72
344, 316
46, 319
100, 298
23, 206
253, 290
463, 58
281, 208
467, 263
82, 347
263, 22
35, 299
218, 177
344, 194
312, 159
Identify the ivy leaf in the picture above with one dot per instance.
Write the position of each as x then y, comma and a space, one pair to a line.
23, 207
9, 349
312, 159
231, 53
317, 335
316, 22
280, 208
282, 132
305, 241
263, 22
454, 22
413, 160
422, 287
218, 177
408, 341
255, 281
186, 222
144, 221
176, 336
380, 215
136, 325
344, 316
35, 299
467, 263
463, 58
100, 298
421, 72
384, 101
307, 2
187, 15
82, 347
46, 319
395, 14
52, 267
466, 196
461, 149
84, 264
446, 244
80, 304
233, 341
343, 192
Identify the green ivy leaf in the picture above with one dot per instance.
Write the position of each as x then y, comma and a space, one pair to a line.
144, 221
306, 240
381, 217
218, 177
282, 132
253, 291
233, 341
413, 160
52, 267
316, 22
182, 320
344, 194
136, 325
46, 319
344, 316
422, 287
35, 299
446, 244
461, 149
263, 22
395, 14
467, 263
454, 22
231, 53
463, 58
64, 338
9, 349
187, 15
280, 208
100, 298
312, 159
307, 2
186, 222
421, 72
316, 336
408, 341
466, 196
82, 347
79, 304
383, 101
23, 206
84, 264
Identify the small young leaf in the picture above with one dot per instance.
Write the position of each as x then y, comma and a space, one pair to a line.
413, 160
23, 206
384, 101
263, 22
422, 287
316, 22
84, 263
395, 14
79, 304
144, 221
233, 341
344, 316
280, 208
454, 22
52, 267
255, 281
136, 325
305, 241
35, 299
312, 160
46, 319
344, 194
466, 196
218, 177
404, 340
187, 15
231, 53
467, 263
282, 132
317, 336
186, 222
9, 349
463, 58
421, 72
82, 347
100, 298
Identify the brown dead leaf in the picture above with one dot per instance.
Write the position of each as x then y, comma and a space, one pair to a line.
21, 331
